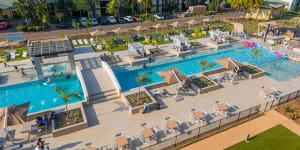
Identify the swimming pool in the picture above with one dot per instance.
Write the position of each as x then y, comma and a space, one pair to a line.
126, 75
40, 96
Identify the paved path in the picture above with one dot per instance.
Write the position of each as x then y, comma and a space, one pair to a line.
239, 133
57, 33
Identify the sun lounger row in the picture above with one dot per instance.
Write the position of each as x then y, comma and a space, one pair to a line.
83, 42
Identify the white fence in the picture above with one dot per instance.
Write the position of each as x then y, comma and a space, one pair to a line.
80, 77
112, 76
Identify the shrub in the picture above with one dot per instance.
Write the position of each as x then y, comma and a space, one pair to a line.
212, 6
289, 109
22, 28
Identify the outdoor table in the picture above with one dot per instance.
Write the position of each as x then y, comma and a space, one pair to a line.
198, 115
222, 107
147, 133
172, 124
121, 141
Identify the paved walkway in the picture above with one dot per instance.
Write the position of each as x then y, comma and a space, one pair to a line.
239, 133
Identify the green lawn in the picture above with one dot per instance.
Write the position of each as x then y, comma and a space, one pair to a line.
276, 138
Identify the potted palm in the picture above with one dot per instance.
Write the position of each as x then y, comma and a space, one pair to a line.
255, 52
140, 79
66, 97
205, 64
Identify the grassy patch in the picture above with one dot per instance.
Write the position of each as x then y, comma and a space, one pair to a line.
251, 69
75, 117
195, 43
133, 99
203, 82
276, 138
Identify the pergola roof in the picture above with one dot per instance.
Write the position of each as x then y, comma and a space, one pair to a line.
50, 47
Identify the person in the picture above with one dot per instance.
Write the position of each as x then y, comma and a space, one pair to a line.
224, 28
40, 144
16, 68
48, 81
32, 61
208, 27
4, 62
23, 73
144, 66
146, 107
68, 76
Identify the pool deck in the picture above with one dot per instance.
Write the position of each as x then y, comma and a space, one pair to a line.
109, 118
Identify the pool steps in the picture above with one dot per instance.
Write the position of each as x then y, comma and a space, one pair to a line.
103, 96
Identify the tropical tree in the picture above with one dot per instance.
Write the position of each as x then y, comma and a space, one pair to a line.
256, 52
205, 64
88, 24
81, 5
113, 7
239, 5
62, 93
92, 4
187, 3
64, 5
76, 26
147, 4
41, 11
254, 3
20, 7
142, 78
132, 4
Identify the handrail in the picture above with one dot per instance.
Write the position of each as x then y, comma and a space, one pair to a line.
108, 69
82, 82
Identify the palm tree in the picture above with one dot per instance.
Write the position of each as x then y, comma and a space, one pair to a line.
142, 78
88, 24
239, 4
81, 5
112, 7
256, 52
40, 11
205, 64
147, 4
254, 3
62, 93
130, 3
92, 4
21, 9
76, 26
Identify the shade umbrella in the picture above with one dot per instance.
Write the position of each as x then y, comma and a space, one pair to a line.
191, 22
170, 77
158, 26
228, 62
98, 33
116, 31
139, 28
175, 24
207, 20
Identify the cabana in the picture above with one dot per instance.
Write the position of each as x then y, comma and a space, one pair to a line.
181, 45
137, 53
218, 39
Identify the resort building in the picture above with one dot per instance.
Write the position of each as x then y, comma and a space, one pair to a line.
271, 9
5, 9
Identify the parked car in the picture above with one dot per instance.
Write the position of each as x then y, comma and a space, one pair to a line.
103, 20
111, 19
83, 21
159, 16
74, 21
128, 19
94, 22
4, 25
63, 25
121, 20
227, 5
136, 18
167, 16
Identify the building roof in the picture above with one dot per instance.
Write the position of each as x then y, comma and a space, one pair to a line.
50, 47
275, 3
4, 4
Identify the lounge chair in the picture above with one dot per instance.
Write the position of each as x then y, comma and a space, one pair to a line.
24, 54
74, 42
99, 47
80, 42
12, 55
86, 41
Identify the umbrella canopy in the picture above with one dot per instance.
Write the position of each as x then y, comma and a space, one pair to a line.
117, 31
98, 33
228, 62
158, 26
170, 77
191, 22
207, 20
7, 43
175, 24
16, 114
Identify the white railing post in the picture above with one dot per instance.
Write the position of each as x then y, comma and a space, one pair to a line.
83, 85
115, 81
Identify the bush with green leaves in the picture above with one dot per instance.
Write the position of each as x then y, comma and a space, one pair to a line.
288, 108
21, 28
212, 6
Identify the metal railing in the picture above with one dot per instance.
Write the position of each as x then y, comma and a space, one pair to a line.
189, 136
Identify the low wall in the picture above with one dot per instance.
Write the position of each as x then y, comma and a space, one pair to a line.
138, 61
83, 85
72, 128
256, 75
108, 69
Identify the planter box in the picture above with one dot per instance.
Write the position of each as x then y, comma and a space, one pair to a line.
136, 109
111, 62
72, 128
205, 89
255, 75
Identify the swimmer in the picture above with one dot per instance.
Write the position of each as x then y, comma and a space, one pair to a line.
48, 81
144, 66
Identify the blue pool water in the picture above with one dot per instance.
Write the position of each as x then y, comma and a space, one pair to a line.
39, 95
275, 67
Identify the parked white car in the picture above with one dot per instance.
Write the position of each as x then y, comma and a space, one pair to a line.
128, 19
111, 19
159, 16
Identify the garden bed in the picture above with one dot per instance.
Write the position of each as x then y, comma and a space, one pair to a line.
291, 109
203, 85
77, 121
135, 105
252, 72
109, 58
196, 44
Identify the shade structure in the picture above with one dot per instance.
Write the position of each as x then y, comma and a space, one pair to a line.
207, 20
238, 27
175, 24
116, 31
228, 62
138, 29
158, 26
191, 22
170, 77
16, 114
9, 43
98, 33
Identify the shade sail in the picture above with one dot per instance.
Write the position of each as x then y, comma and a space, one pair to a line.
170, 77
16, 114
228, 62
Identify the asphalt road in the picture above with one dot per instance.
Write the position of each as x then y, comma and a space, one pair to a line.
57, 33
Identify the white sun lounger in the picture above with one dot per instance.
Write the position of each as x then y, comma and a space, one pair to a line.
85, 41
74, 42
80, 42
24, 54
